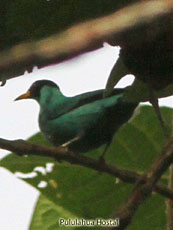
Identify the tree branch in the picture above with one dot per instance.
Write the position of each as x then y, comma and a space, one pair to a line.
144, 187
169, 202
22, 148
86, 37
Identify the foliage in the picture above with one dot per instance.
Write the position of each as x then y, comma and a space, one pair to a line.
72, 191
77, 192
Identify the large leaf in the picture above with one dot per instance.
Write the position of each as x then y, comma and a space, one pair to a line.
47, 213
76, 192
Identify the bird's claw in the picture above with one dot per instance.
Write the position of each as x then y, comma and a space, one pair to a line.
101, 161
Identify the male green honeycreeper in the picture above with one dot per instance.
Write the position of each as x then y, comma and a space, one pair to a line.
88, 119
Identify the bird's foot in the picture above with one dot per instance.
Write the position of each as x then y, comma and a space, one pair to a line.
101, 161
66, 144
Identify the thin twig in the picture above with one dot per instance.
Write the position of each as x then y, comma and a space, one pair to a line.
169, 202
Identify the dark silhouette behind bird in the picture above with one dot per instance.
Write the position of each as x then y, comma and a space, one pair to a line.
151, 62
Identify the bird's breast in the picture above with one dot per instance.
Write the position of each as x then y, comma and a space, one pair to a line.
57, 131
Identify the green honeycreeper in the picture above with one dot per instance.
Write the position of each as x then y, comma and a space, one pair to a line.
85, 121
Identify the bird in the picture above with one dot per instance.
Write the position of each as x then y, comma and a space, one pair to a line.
83, 122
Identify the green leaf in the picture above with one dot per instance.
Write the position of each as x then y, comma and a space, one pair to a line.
77, 192
47, 213
118, 71
139, 92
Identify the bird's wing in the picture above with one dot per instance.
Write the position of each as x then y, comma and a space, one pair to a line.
63, 105
90, 97
85, 116
95, 123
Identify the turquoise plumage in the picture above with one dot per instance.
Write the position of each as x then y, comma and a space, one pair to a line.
89, 116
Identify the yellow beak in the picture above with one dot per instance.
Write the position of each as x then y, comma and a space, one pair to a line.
24, 96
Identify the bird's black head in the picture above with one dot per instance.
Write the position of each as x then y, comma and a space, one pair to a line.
38, 85
34, 90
